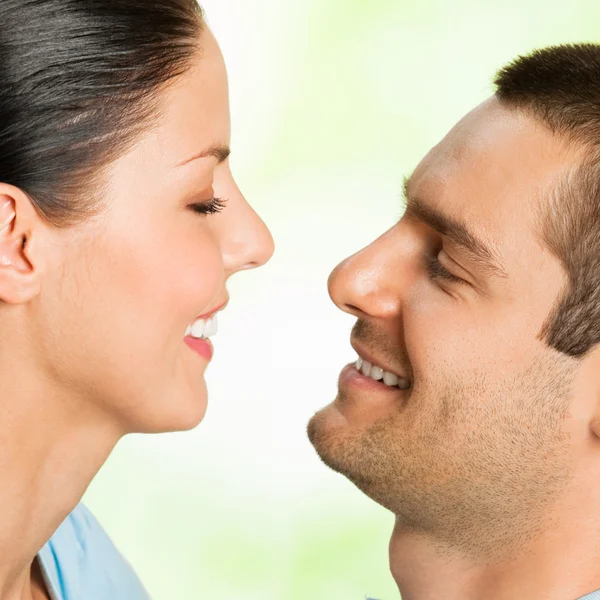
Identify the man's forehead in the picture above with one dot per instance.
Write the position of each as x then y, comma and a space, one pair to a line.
491, 172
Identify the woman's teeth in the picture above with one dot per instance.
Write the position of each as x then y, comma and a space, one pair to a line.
203, 328
378, 374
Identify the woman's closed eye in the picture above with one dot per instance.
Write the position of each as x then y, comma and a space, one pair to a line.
216, 205
436, 270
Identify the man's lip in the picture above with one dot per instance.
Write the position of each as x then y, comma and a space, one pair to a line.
365, 355
212, 312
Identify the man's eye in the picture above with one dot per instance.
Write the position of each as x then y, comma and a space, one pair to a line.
216, 205
435, 270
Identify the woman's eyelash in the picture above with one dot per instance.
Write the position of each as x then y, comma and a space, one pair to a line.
435, 270
216, 205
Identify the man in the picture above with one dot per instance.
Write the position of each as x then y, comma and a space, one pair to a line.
473, 411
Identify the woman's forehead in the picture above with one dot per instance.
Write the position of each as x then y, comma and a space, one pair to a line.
193, 116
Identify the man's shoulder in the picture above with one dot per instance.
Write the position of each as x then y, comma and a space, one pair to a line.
80, 560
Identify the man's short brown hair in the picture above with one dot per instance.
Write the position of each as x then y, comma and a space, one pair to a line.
560, 86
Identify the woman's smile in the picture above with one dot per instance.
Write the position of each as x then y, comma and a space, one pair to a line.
198, 334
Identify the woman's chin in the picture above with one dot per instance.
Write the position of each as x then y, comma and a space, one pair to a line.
182, 412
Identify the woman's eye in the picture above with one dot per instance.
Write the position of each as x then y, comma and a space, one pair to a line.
436, 270
216, 205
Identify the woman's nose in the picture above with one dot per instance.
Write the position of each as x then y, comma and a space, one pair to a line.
247, 245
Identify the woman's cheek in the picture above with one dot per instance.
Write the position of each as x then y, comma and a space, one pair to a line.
204, 273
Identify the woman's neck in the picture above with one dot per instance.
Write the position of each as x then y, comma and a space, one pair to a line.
52, 445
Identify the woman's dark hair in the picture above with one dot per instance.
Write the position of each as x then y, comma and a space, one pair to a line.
79, 81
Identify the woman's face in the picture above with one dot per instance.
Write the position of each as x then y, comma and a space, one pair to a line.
128, 284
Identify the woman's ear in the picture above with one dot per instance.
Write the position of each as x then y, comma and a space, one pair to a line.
19, 276
7, 214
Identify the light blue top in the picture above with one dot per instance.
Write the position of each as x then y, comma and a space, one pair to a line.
80, 562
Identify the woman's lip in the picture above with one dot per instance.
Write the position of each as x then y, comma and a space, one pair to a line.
212, 312
201, 346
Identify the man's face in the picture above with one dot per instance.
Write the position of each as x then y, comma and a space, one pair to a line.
481, 438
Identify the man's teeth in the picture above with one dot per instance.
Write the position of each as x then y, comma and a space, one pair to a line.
203, 328
378, 374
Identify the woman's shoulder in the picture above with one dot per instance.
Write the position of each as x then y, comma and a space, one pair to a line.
81, 561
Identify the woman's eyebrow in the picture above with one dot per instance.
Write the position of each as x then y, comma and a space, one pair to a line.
457, 232
219, 151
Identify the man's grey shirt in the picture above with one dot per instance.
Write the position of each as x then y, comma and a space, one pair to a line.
593, 596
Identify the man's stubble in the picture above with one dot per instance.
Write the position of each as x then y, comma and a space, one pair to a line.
475, 465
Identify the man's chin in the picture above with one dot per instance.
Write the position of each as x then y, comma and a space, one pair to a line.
326, 431
356, 452
323, 423
337, 445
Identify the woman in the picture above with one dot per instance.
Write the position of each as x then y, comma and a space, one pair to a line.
120, 224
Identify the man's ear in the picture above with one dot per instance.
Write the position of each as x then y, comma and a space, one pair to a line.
19, 223
590, 384
595, 423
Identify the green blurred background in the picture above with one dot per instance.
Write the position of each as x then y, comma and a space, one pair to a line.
333, 102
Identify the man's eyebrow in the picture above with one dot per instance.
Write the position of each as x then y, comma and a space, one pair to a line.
456, 231
220, 152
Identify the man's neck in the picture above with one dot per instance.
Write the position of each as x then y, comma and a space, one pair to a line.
559, 564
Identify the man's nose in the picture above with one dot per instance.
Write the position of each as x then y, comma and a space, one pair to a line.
367, 284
